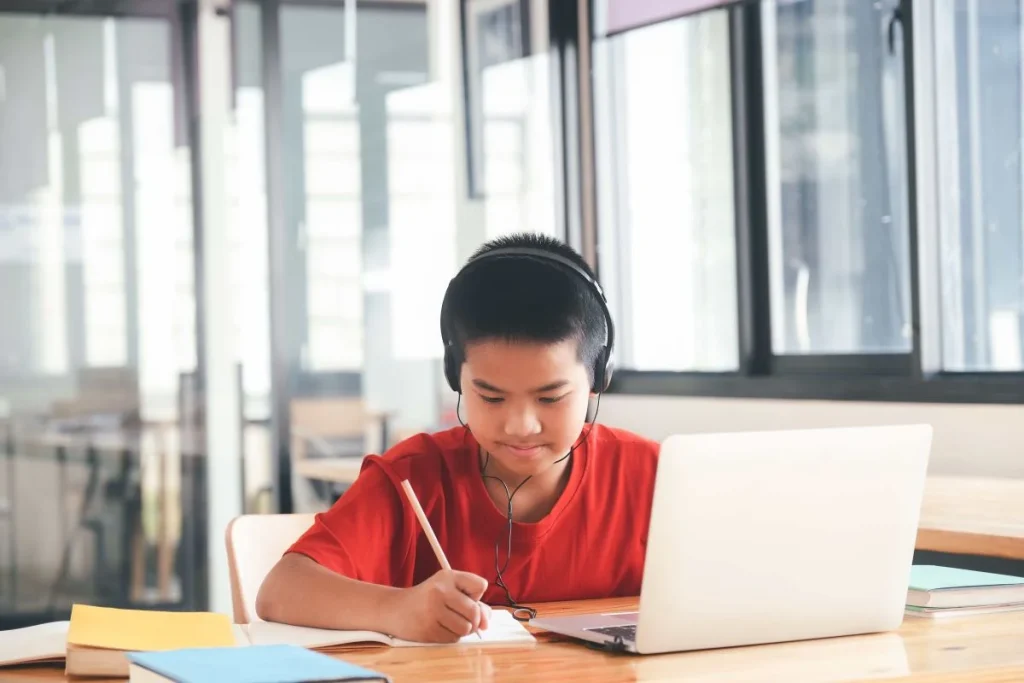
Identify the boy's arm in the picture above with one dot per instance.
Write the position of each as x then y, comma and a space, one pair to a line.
443, 608
339, 574
299, 591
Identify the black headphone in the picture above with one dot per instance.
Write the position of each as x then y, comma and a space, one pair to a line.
603, 365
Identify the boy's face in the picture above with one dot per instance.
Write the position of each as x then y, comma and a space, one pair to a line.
525, 402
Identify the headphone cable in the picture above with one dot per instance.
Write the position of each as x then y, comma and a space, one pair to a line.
517, 609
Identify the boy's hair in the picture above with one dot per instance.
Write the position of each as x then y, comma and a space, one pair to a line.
523, 299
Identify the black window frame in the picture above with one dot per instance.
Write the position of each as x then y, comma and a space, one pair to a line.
914, 376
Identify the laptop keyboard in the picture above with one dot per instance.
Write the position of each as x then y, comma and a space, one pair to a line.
626, 631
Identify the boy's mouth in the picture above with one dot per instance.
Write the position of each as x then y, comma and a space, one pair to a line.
523, 450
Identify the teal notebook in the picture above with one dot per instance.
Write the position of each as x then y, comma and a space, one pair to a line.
255, 664
946, 587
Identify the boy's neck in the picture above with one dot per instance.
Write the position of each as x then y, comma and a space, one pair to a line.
537, 496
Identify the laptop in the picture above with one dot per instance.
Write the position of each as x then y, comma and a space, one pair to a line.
767, 537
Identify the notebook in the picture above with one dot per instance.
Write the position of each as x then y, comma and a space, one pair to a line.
99, 637
945, 587
40, 644
502, 630
258, 664
941, 612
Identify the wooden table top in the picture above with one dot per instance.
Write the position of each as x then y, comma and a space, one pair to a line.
984, 649
337, 470
973, 516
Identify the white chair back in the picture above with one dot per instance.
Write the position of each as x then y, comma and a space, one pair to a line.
255, 543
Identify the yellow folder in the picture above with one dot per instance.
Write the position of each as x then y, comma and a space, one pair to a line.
126, 629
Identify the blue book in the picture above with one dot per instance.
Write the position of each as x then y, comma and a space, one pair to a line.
254, 664
946, 587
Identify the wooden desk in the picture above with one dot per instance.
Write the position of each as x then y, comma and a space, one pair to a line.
336, 470
973, 516
980, 649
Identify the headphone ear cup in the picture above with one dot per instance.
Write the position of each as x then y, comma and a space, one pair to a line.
602, 371
452, 370
609, 369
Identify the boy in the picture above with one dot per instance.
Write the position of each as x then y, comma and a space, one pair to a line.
525, 493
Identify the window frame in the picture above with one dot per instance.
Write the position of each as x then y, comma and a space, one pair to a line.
914, 376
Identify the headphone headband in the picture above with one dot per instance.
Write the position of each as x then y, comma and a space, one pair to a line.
603, 364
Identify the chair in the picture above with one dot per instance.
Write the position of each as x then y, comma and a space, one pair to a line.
334, 430
337, 426
255, 543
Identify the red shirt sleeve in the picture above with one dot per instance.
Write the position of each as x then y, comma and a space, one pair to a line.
364, 535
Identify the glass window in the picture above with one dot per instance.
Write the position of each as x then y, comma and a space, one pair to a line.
665, 190
245, 180
98, 337
379, 210
836, 178
511, 117
982, 220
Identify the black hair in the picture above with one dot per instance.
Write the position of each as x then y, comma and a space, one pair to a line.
522, 299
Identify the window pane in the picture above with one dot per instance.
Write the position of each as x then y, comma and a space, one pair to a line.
378, 209
665, 187
249, 265
98, 335
982, 228
511, 124
836, 178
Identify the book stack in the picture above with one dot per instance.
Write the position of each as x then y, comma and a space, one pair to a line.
100, 638
97, 640
178, 646
944, 592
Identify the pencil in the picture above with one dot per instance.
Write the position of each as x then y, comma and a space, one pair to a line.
429, 532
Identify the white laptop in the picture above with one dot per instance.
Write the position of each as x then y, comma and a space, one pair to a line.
770, 537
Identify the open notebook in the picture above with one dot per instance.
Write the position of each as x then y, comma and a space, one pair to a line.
34, 644
503, 630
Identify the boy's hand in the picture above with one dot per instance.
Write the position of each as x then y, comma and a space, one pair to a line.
442, 609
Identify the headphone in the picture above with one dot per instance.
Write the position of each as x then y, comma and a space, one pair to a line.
603, 365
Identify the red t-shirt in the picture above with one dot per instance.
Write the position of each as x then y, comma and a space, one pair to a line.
591, 545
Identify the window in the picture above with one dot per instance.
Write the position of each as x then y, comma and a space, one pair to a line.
379, 212
323, 149
247, 225
847, 288
978, 114
512, 114
837, 188
98, 339
665, 193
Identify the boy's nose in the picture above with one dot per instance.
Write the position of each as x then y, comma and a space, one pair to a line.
520, 423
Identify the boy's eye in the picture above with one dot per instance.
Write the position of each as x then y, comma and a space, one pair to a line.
491, 399
552, 399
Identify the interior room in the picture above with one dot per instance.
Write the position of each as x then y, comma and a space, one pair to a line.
227, 229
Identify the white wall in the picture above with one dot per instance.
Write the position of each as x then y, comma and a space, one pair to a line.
976, 440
